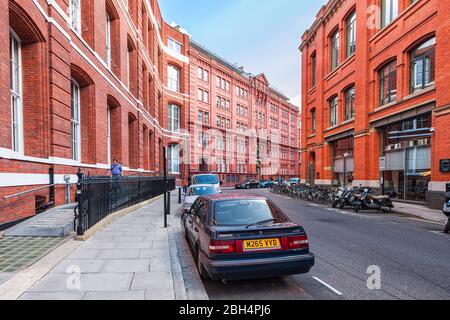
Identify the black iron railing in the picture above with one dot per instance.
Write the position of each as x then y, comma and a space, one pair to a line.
98, 197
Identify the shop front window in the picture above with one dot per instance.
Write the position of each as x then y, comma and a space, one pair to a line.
407, 148
343, 161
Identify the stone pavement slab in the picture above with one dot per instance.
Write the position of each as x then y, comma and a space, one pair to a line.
56, 222
421, 212
132, 258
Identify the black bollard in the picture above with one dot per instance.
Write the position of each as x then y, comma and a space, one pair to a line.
168, 203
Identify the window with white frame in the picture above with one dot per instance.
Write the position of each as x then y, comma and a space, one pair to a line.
351, 34
334, 39
389, 11
423, 60
108, 41
75, 121
174, 158
75, 15
15, 63
173, 45
174, 118
173, 78
333, 111
108, 134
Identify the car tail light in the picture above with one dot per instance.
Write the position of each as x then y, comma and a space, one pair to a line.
221, 247
300, 242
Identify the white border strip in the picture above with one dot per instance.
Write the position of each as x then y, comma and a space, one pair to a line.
328, 286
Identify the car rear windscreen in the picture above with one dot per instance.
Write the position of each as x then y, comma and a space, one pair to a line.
201, 191
206, 179
244, 212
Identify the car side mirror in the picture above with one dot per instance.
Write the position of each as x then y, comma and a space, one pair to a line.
221, 183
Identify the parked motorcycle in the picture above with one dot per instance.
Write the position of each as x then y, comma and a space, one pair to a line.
446, 211
337, 197
369, 201
346, 197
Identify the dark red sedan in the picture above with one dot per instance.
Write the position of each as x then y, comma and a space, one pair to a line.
245, 237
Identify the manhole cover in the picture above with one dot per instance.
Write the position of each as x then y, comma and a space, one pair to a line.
17, 253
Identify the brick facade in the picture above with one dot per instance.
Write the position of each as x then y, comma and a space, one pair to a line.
377, 45
243, 111
133, 87
115, 59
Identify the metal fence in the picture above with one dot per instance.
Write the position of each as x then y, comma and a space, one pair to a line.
98, 197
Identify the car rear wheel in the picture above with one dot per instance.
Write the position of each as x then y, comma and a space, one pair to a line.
201, 270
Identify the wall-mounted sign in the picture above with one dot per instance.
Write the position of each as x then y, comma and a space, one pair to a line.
445, 166
382, 163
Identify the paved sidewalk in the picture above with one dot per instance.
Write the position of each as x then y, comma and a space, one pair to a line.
56, 222
420, 212
133, 258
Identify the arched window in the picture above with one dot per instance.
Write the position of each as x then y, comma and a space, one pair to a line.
114, 129
112, 34
133, 142
173, 78
28, 125
313, 70
152, 150
313, 121
334, 115
82, 19
132, 67
174, 118
388, 83
334, 45
83, 126
350, 103
389, 11
174, 158
75, 15
75, 120
15, 62
351, 34
146, 148
423, 60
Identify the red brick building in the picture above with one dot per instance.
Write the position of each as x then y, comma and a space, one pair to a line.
241, 127
88, 81
376, 107
84, 82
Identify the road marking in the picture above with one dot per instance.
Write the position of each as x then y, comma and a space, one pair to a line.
328, 286
439, 233
428, 221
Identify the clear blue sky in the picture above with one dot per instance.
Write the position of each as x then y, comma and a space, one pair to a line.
261, 35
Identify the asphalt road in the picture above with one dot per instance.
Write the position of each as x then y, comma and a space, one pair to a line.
413, 258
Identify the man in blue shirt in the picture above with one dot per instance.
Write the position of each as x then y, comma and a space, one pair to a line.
116, 172
116, 169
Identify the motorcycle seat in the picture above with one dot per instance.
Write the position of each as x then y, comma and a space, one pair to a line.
380, 197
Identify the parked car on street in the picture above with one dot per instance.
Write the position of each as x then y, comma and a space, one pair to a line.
211, 179
266, 184
251, 184
193, 192
245, 237
294, 181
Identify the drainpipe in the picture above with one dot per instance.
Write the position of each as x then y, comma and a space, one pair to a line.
67, 180
51, 173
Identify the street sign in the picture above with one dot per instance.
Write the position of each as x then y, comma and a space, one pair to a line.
382, 163
445, 166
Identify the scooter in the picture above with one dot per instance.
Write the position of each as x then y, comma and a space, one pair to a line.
349, 198
337, 197
369, 201
446, 211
